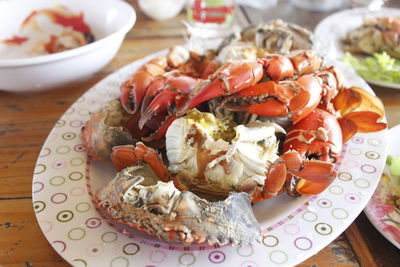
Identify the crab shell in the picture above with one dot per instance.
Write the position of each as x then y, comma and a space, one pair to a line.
104, 131
203, 161
274, 36
135, 197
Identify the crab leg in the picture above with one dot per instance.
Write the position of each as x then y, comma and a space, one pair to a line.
275, 179
129, 155
290, 98
311, 148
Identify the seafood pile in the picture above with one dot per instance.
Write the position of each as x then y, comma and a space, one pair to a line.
375, 35
196, 140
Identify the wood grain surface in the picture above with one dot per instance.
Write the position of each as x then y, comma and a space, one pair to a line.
27, 118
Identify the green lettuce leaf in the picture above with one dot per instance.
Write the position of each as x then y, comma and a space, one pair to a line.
379, 67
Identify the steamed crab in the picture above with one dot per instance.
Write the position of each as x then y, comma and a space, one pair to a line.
257, 41
259, 127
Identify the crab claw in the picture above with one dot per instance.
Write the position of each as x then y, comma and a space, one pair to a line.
360, 111
173, 94
360, 121
134, 89
312, 177
129, 155
229, 79
290, 98
311, 148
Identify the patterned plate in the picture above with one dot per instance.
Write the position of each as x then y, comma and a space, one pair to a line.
383, 215
293, 228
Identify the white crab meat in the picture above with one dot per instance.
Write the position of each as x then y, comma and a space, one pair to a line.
209, 155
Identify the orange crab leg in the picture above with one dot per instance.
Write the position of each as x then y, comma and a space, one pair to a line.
297, 98
129, 155
275, 179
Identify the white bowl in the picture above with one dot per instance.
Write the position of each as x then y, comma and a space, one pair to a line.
109, 21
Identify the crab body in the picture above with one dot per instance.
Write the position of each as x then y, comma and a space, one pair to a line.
135, 197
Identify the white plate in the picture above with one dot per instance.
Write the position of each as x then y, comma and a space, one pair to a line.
293, 228
331, 30
384, 216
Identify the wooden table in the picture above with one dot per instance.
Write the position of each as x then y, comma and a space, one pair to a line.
27, 118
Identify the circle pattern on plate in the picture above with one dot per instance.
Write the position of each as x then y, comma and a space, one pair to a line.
76, 229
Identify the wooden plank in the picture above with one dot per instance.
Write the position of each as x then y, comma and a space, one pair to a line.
359, 245
370, 247
22, 242
337, 253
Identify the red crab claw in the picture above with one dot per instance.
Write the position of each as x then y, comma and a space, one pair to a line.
133, 90
228, 79
129, 155
156, 86
295, 99
310, 149
278, 67
174, 93
360, 111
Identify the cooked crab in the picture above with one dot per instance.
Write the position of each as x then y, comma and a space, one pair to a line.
256, 41
213, 156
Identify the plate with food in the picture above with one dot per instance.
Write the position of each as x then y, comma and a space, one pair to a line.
383, 208
181, 159
368, 42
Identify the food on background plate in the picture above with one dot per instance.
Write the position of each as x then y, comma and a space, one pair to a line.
394, 167
393, 172
47, 31
375, 35
200, 131
385, 203
378, 67
258, 40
